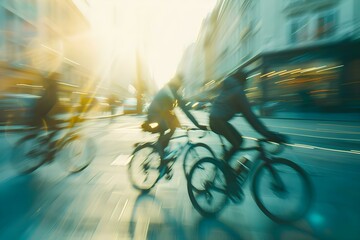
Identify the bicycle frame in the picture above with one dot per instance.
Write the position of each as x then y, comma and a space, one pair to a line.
55, 143
182, 146
262, 155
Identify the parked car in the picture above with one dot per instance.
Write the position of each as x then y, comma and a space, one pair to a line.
130, 105
16, 108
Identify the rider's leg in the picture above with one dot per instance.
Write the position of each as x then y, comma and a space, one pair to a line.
168, 124
224, 128
165, 135
164, 139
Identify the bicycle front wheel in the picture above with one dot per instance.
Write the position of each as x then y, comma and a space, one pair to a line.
77, 152
144, 167
28, 154
282, 190
207, 186
194, 153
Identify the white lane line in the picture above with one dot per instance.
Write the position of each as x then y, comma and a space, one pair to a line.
321, 148
301, 146
314, 147
121, 160
336, 150
332, 138
318, 130
328, 124
123, 210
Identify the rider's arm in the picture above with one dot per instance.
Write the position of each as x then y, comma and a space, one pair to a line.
252, 118
183, 107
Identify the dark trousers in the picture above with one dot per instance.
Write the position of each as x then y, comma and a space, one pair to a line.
168, 122
224, 128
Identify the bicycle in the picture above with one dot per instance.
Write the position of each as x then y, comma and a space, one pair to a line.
147, 165
40, 147
270, 187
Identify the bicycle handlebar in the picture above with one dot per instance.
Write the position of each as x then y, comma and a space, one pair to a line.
279, 146
188, 129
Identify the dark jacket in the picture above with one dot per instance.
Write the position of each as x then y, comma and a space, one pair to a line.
232, 100
164, 103
47, 101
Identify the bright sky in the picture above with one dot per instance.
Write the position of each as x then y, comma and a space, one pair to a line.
159, 30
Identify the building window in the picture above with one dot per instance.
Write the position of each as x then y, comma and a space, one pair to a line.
326, 25
299, 30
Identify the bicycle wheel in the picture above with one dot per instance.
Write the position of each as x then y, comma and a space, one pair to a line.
194, 153
144, 167
207, 186
282, 190
28, 154
76, 152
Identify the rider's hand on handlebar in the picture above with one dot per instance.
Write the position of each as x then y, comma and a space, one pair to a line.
279, 138
203, 127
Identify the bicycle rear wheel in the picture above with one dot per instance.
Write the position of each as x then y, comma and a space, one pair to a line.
77, 152
28, 154
282, 190
194, 153
207, 186
144, 167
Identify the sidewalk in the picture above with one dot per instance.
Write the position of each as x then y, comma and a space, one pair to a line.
340, 117
24, 127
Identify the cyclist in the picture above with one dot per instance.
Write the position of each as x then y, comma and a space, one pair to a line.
232, 100
46, 102
161, 111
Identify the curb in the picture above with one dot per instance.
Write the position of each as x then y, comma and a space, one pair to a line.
19, 128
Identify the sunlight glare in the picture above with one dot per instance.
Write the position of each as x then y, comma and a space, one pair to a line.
159, 30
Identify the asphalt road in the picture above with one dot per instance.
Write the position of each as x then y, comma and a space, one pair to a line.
100, 203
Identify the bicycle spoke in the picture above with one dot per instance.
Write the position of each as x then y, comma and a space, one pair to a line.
144, 166
28, 154
76, 152
282, 190
194, 154
207, 187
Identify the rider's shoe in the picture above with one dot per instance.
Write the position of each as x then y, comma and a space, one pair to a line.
162, 170
236, 192
169, 175
169, 155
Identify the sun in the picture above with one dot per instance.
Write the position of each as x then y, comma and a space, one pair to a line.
158, 30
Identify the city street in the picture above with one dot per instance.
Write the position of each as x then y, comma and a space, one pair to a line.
100, 203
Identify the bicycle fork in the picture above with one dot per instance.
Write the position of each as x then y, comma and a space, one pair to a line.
277, 184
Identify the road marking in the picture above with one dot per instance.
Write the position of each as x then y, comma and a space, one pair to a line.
336, 150
337, 125
122, 211
355, 151
313, 147
318, 130
121, 160
305, 135
301, 146
321, 148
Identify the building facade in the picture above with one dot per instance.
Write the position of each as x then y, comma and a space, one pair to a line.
299, 54
34, 42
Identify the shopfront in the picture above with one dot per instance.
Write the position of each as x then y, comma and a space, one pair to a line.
324, 78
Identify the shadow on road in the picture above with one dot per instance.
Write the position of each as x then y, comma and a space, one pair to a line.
17, 199
149, 220
210, 228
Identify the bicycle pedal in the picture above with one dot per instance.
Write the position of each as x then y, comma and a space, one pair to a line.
162, 171
169, 176
237, 197
236, 193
